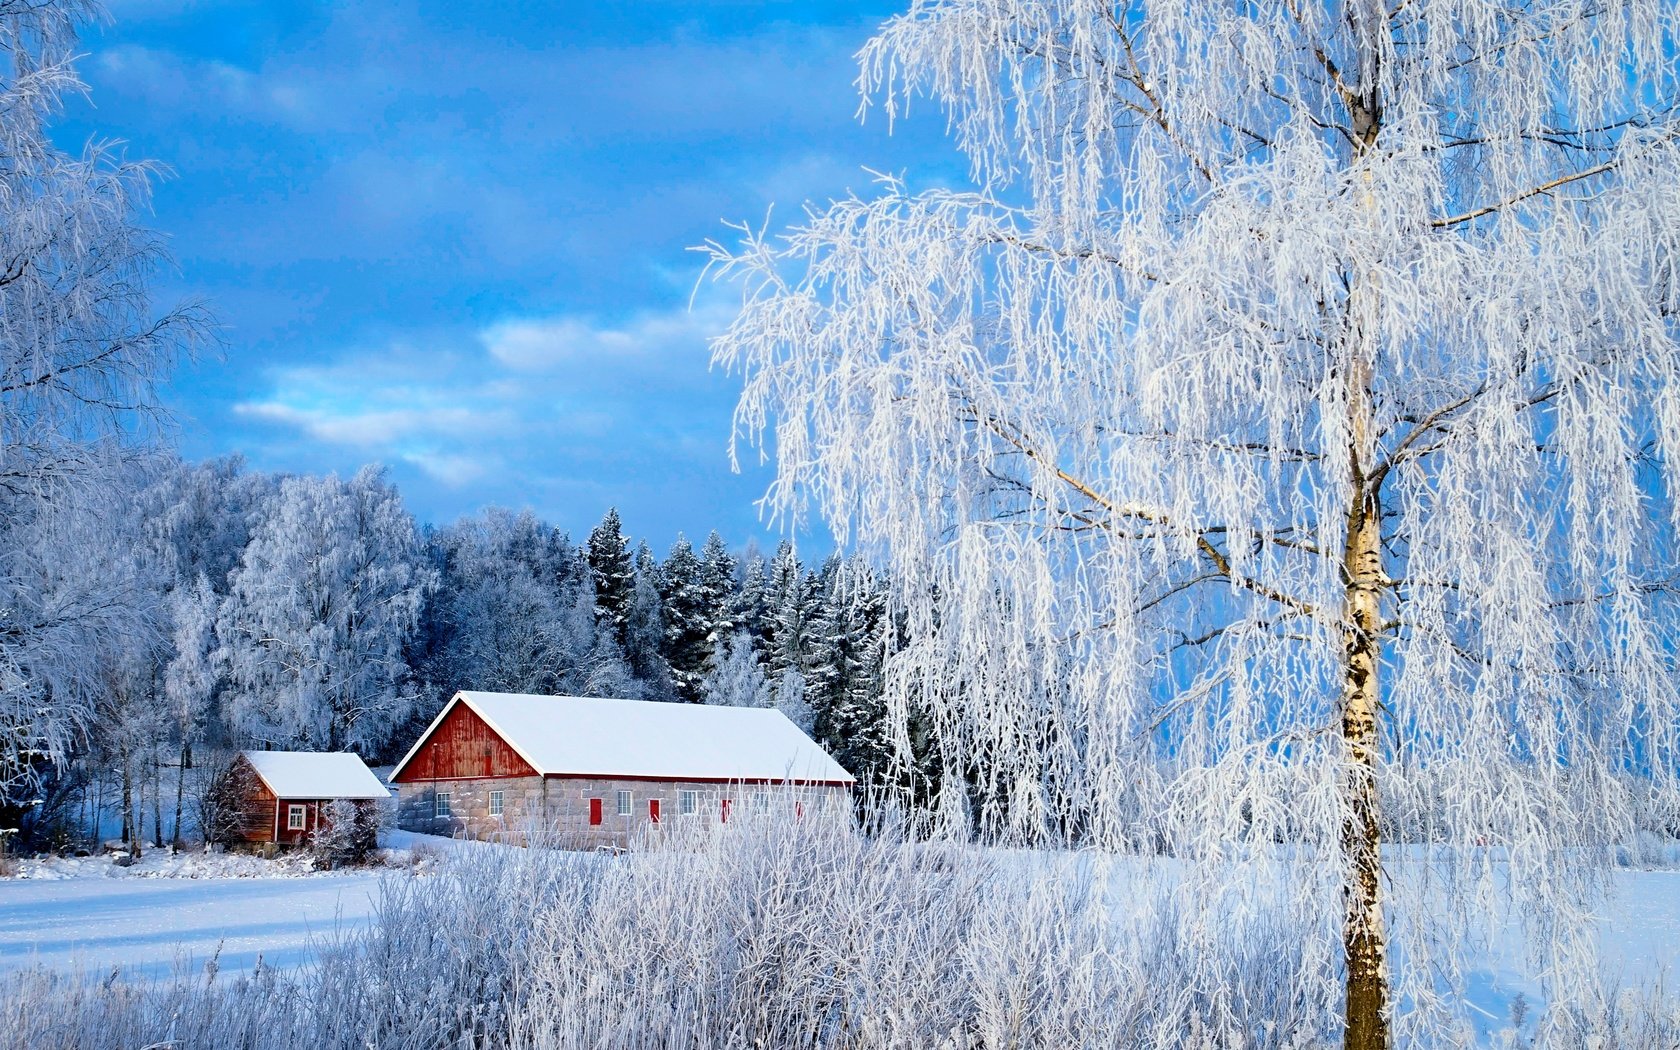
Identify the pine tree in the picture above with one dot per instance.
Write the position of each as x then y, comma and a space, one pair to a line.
857, 727
792, 600
613, 574
719, 589
686, 622
644, 635
752, 600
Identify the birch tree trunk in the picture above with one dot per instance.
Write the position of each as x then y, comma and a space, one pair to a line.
1364, 936
180, 788
157, 797
129, 836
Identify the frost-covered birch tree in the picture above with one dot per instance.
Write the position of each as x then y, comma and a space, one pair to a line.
1277, 442
313, 629
81, 351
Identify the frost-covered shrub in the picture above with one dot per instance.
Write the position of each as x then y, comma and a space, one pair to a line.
221, 800
348, 832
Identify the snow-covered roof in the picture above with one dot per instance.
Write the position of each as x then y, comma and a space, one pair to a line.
315, 774
587, 736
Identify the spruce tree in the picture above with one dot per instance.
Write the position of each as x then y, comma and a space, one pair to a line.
644, 636
613, 573
684, 600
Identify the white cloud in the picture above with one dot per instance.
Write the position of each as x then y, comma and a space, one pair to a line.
531, 396
452, 470
540, 344
181, 82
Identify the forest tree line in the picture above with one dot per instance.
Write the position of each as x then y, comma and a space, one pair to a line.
191, 609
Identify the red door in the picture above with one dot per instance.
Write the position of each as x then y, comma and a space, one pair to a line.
725, 816
594, 811
653, 811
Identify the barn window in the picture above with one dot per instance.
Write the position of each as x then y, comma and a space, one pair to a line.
686, 803
624, 801
294, 818
761, 802
442, 804
495, 803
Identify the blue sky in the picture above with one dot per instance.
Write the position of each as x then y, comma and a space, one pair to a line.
453, 237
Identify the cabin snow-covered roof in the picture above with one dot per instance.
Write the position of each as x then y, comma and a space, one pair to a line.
589, 736
315, 774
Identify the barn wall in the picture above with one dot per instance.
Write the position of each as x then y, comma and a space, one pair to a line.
559, 807
256, 805
464, 746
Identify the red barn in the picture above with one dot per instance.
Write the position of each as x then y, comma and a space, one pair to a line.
282, 795
595, 770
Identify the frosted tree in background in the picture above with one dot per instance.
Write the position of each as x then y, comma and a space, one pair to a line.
736, 679
644, 632
313, 629
1278, 442
190, 675
501, 610
81, 353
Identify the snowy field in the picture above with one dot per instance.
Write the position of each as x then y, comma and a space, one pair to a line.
164, 912
149, 926
89, 914
172, 914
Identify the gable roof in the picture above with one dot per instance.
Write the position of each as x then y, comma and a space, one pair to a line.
315, 774
589, 736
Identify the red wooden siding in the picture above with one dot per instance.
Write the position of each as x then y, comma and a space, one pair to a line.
464, 746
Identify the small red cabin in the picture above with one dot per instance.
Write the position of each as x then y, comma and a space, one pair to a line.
283, 795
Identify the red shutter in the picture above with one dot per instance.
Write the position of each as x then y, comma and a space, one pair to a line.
594, 811
798, 810
725, 817
653, 811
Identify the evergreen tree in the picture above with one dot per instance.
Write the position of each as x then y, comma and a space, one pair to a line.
686, 621
752, 599
792, 600
718, 590
848, 666
644, 635
613, 574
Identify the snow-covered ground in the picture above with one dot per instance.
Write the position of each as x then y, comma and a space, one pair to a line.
150, 925
165, 912
90, 914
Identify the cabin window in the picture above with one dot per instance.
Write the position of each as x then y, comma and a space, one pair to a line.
624, 801
686, 803
495, 803
761, 802
442, 809
294, 818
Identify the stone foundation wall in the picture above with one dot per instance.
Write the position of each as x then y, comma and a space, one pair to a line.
558, 809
